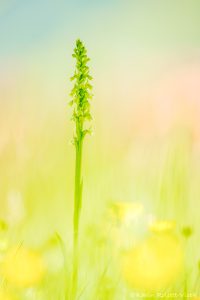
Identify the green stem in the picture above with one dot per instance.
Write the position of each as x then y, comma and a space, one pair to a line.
77, 211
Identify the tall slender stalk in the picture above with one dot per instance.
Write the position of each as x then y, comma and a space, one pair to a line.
81, 94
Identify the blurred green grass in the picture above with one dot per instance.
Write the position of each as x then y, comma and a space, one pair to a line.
160, 173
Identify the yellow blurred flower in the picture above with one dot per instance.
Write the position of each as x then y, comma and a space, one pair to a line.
124, 223
125, 212
162, 226
23, 267
154, 264
5, 296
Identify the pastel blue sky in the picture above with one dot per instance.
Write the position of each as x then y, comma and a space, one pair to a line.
25, 23
129, 41
136, 24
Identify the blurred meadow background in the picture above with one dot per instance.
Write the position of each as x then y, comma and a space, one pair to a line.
140, 218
